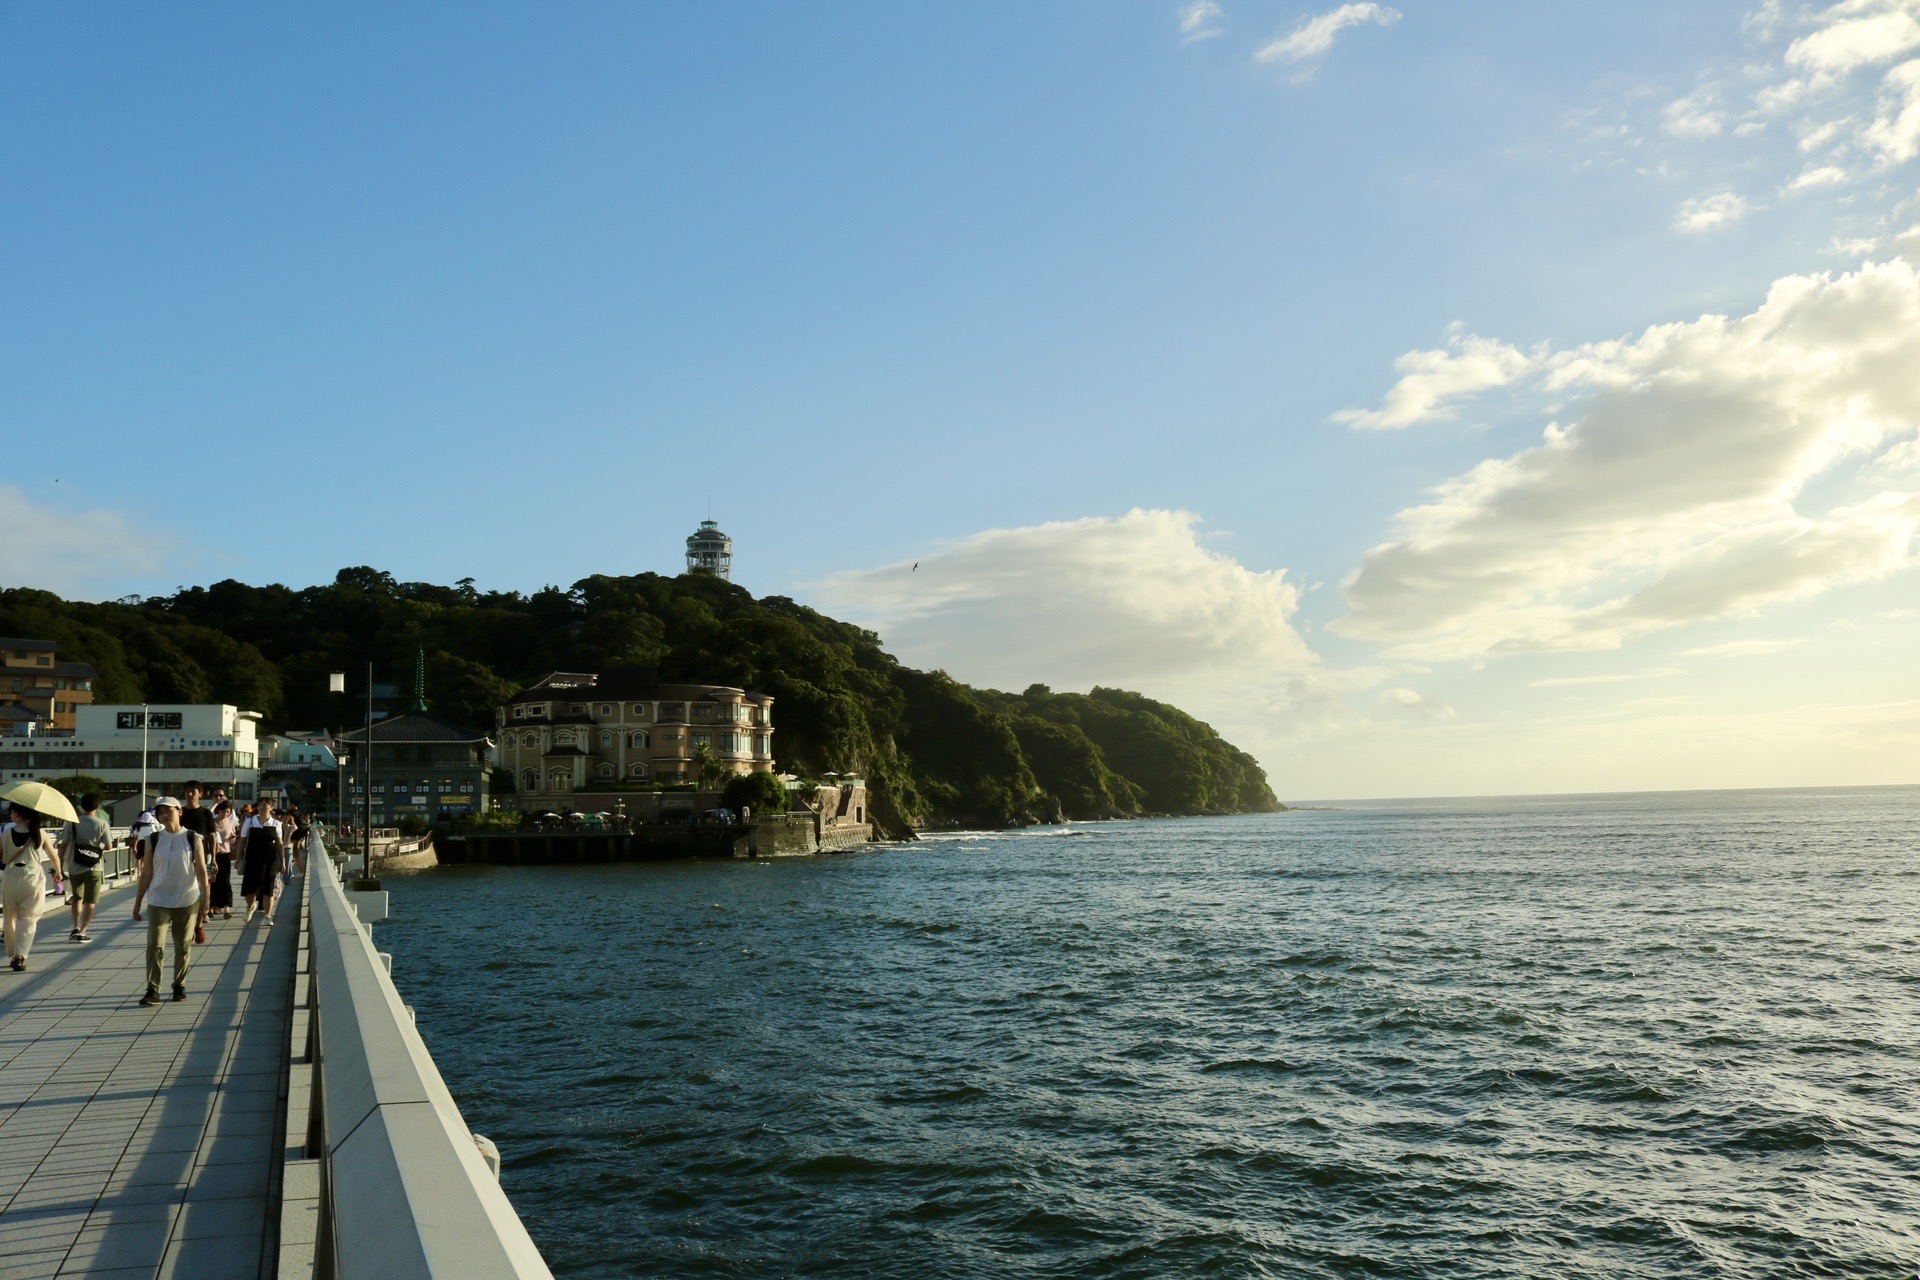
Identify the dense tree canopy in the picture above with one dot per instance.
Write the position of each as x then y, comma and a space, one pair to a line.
933, 749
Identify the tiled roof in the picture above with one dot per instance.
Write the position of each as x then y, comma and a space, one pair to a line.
413, 726
38, 646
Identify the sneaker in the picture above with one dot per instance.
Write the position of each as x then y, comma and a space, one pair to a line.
83, 937
19, 964
73, 935
179, 992
152, 997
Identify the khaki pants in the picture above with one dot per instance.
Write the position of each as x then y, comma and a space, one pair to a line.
160, 920
24, 891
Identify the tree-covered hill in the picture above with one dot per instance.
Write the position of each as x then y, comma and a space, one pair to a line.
934, 750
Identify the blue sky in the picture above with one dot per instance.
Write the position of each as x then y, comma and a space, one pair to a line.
513, 292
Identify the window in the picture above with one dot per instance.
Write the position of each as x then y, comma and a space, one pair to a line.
606, 708
559, 781
606, 771
519, 713
640, 711
577, 708
563, 739
638, 740
606, 738
638, 770
529, 780
702, 740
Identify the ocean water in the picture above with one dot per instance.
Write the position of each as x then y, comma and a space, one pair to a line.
1671, 1035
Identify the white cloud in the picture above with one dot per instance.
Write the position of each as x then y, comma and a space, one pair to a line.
1198, 19
1671, 497
1132, 599
1417, 706
1851, 40
1741, 649
1568, 682
1824, 176
1711, 213
1895, 131
1698, 115
1816, 137
76, 552
1316, 35
1430, 379
1903, 457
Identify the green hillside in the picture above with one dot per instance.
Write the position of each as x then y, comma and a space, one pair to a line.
935, 751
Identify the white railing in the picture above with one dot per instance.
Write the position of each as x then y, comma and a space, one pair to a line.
402, 1190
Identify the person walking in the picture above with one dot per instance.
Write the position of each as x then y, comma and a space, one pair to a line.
173, 885
23, 886
197, 820
86, 841
226, 830
263, 855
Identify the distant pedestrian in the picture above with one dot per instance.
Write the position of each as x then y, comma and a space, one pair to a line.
226, 831
142, 831
173, 886
263, 856
23, 886
197, 820
85, 843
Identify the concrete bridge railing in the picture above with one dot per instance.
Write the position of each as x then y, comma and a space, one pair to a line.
402, 1188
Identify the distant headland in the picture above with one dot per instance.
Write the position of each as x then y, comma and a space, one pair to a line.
935, 752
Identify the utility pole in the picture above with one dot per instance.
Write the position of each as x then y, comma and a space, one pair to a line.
366, 858
143, 758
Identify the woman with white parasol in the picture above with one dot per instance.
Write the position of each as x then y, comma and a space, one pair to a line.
23, 886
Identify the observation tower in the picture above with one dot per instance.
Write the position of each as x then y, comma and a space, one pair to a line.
710, 551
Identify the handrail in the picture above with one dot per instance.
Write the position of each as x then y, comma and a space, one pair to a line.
406, 1194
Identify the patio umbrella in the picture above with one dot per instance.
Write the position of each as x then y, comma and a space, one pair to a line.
41, 798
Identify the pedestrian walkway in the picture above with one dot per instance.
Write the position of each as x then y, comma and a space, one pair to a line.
144, 1142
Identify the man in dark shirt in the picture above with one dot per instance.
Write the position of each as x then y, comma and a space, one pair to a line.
196, 819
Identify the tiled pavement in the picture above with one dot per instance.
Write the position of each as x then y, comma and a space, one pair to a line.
143, 1142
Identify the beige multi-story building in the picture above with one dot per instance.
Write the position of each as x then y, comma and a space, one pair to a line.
41, 689
581, 731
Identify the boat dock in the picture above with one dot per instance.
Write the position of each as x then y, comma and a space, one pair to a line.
285, 1120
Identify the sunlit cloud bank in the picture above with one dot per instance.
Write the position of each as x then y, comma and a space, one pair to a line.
78, 552
1081, 602
1674, 491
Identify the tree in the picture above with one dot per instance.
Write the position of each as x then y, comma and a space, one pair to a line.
75, 785
763, 793
711, 770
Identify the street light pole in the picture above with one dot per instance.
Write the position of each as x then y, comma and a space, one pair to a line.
143, 758
337, 683
366, 857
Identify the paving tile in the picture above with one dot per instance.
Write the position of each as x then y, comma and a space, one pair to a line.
212, 1258
246, 1215
31, 1266
227, 1181
123, 1244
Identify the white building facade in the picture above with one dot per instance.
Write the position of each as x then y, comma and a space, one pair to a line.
213, 743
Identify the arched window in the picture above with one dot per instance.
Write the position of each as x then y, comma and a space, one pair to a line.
638, 770
529, 780
606, 708
606, 771
638, 740
606, 738
559, 781
563, 739
640, 711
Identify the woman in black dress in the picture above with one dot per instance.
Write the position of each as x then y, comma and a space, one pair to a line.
226, 829
262, 853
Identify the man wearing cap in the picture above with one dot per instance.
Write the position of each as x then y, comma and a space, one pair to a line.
173, 884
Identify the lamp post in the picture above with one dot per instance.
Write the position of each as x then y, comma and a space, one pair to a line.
366, 857
337, 683
143, 758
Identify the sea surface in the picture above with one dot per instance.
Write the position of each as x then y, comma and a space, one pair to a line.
1622, 1036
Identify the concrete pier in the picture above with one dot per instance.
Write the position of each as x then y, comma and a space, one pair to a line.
284, 1121
143, 1142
